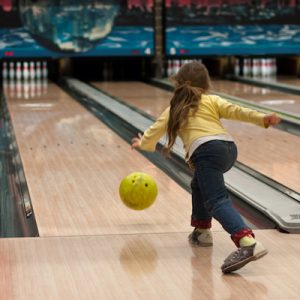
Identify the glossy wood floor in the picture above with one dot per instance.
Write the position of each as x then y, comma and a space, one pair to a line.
92, 246
271, 152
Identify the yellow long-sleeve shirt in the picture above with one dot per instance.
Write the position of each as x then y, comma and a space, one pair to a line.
205, 122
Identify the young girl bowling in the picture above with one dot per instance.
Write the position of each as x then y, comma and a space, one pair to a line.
194, 116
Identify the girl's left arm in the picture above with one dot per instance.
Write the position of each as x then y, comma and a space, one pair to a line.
152, 135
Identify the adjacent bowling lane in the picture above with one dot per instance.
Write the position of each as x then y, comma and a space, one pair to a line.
272, 99
293, 81
281, 79
271, 152
73, 165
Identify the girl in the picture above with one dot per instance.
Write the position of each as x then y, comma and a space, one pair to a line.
194, 116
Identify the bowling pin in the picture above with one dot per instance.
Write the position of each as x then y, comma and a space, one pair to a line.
25, 70
269, 67
264, 67
255, 67
38, 70
4, 71
45, 70
237, 67
259, 62
245, 67
18, 71
170, 68
31, 70
11, 71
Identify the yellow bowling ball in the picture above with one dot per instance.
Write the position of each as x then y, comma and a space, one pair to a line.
138, 191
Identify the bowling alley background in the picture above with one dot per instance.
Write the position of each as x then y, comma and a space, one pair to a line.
112, 40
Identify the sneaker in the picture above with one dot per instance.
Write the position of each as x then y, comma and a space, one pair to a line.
203, 239
242, 256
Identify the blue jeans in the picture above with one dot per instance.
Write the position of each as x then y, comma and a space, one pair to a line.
209, 195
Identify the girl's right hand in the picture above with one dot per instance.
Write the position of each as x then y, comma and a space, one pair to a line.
271, 119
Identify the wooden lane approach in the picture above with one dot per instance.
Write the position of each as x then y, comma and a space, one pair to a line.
148, 266
271, 152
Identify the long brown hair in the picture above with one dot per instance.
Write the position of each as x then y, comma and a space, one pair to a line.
191, 81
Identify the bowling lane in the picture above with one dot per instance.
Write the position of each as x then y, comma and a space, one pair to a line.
271, 152
272, 99
73, 166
